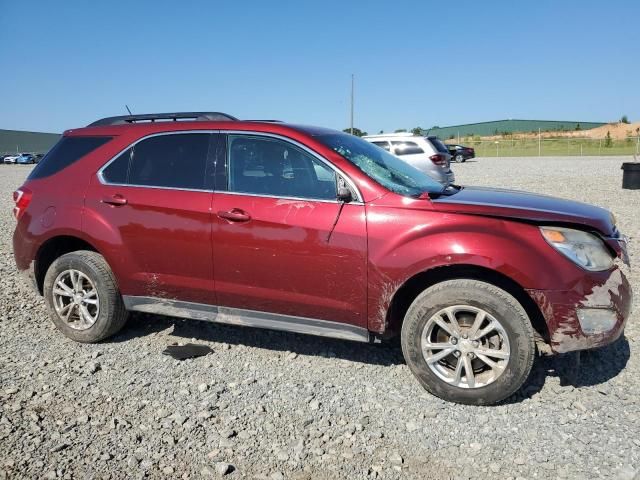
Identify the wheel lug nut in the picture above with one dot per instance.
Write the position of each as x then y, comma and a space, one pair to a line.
476, 343
464, 335
456, 353
454, 340
470, 355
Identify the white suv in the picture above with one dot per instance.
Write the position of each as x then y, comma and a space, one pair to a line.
428, 154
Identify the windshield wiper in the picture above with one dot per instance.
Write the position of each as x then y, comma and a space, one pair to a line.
447, 190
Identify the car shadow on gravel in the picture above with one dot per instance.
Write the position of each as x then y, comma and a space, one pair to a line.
143, 325
577, 369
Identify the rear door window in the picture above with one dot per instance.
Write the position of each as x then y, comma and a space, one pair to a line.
163, 161
384, 145
64, 153
406, 148
173, 161
118, 170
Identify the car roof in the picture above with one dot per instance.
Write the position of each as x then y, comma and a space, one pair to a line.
393, 135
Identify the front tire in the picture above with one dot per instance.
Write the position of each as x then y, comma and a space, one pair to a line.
83, 297
459, 158
468, 341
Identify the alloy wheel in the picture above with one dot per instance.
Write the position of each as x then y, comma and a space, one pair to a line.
75, 299
465, 346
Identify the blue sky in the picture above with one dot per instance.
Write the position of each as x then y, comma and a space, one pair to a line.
416, 63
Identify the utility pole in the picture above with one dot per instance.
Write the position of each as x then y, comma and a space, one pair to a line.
539, 142
351, 129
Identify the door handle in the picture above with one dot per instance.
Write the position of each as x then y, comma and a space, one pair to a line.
116, 200
235, 215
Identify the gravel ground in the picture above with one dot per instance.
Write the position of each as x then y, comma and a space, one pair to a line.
276, 405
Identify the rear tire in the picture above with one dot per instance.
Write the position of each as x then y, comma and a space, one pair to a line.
443, 369
459, 158
83, 297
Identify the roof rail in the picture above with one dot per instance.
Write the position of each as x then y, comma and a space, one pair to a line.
267, 121
152, 117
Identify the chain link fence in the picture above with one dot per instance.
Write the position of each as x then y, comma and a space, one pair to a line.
531, 147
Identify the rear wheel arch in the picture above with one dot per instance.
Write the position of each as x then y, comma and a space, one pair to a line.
54, 248
408, 292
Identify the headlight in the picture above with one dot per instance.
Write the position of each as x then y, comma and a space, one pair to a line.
583, 248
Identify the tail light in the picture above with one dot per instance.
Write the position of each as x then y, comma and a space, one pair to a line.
439, 159
22, 198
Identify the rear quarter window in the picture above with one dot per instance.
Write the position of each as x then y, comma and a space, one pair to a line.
439, 146
67, 151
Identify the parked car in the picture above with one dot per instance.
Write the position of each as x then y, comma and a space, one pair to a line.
460, 153
26, 158
425, 153
315, 231
10, 158
38, 157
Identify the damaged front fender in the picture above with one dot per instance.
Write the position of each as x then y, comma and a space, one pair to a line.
609, 291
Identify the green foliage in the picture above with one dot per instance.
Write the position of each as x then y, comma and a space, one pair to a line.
416, 131
356, 131
608, 142
624, 119
400, 130
578, 127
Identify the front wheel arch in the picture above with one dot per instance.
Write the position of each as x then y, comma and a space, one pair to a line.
408, 292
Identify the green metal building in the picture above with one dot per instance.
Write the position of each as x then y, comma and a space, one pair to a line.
17, 141
499, 127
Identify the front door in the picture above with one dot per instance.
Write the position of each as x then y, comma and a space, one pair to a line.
282, 242
157, 208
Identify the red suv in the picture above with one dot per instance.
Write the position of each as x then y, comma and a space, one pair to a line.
310, 230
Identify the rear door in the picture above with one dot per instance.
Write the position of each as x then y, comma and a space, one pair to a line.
153, 204
282, 242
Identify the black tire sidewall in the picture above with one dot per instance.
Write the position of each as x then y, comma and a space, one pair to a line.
513, 320
104, 286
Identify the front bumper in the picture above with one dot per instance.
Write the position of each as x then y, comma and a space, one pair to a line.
574, 317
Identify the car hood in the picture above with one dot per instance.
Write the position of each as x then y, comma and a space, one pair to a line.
525, 206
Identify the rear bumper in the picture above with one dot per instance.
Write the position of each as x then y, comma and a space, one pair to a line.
571, 314
450, 177
29, 277
24, 255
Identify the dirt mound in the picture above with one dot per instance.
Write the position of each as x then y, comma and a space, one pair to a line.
618, 131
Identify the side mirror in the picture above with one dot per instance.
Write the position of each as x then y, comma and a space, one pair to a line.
344, 195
